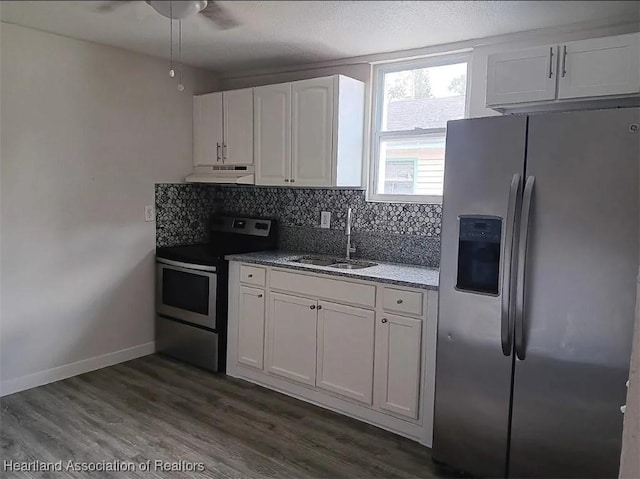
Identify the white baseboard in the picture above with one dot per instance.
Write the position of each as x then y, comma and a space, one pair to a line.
65, 371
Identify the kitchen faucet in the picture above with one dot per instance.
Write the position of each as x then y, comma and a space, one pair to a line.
348, 233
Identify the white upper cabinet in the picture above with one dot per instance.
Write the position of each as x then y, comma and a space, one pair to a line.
522, 76
549, 76
307, 133
272, 134
345, 350
600, 66
312, 132
207, 129
237, 109
223, 128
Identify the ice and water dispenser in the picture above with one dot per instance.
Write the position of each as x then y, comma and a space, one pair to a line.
479, 254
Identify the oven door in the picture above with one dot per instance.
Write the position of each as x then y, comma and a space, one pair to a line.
186, 292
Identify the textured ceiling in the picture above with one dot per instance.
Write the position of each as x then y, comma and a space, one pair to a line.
281, 33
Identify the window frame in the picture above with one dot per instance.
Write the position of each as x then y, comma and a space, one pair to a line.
379, 70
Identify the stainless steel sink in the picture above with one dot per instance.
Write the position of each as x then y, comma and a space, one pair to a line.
351, 265
334, 262
315, 261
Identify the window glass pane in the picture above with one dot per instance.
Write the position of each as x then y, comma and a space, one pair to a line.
399, 176
412, 166
424, 97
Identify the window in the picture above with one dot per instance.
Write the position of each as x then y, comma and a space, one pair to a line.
413, 102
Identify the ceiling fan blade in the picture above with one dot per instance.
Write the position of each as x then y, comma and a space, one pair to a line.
109, 6
219, 15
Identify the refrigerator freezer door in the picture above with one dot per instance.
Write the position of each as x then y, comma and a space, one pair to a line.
473, 376
579, 286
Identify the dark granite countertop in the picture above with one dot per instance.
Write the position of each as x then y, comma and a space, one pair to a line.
391, 273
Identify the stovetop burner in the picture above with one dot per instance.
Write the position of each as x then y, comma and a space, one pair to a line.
228, 235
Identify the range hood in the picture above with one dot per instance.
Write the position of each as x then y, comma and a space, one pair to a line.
230, 174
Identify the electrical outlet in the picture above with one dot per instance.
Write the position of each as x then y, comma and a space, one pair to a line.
325, 220
149, 213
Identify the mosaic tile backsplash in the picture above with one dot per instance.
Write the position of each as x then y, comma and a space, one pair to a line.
182, 213
394, 232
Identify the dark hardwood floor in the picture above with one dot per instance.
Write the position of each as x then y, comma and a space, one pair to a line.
154, 408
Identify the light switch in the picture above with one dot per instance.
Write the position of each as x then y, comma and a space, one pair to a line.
149, 213
325, 220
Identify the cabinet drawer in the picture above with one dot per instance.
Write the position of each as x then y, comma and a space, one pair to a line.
402, 301
252, 275
341, 291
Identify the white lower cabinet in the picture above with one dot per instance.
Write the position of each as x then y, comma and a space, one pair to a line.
291, 337
345, 350
251, 327
357, 347
398, 358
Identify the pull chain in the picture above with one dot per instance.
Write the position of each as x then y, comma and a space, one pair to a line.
172, 72
180, 85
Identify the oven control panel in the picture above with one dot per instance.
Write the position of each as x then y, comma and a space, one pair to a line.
247, 226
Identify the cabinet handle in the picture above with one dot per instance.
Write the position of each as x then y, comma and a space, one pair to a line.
399, 301
224, 152
313, 306
564, 61
319, 307
384, 320
286, 180
292, 180
217, 151
259, 296
249, 276
550, 62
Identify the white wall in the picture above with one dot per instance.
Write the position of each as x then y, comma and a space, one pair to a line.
86, 131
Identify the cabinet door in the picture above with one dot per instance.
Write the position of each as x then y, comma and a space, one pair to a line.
312, 132
522, 76
272, 134
398, 357
345, 350
251, 327
207, 129
238, 127
600, 66
291, 337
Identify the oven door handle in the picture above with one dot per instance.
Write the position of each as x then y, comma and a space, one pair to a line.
197, 267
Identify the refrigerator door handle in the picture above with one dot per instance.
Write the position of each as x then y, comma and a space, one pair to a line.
506, 324
522, 259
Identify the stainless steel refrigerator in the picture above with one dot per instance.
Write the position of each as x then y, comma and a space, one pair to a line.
537, 293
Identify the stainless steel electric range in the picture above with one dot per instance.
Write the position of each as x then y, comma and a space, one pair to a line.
192, 290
